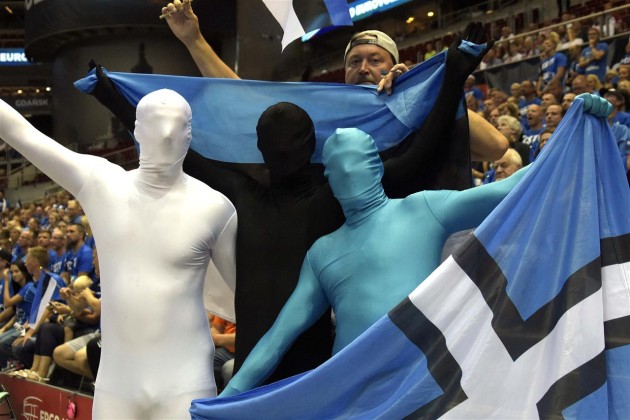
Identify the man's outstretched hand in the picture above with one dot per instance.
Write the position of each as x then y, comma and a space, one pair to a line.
467, 51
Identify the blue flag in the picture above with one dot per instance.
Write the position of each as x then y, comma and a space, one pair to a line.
226, 111
529, 318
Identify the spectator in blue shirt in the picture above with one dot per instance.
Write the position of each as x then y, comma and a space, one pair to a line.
593, 59
78, 258
553, 65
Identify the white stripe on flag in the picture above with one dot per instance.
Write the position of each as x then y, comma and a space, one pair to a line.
497, 386
616, 283
283, 12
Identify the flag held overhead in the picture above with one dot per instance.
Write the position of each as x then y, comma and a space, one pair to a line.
217, 103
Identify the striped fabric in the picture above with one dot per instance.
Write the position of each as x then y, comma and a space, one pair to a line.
298, 17
218, 103
529, 318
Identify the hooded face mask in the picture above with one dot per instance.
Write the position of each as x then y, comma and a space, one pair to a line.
286, 138
163, 129
354, 171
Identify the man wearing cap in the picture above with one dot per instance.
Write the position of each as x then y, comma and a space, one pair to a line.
486, 143
371, 58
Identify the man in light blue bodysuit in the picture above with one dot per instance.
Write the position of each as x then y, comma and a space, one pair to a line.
375, 259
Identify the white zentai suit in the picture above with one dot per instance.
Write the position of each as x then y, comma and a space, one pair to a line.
156, 230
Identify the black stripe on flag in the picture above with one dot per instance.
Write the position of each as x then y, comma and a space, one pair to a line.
441, 363
617, 332
615, 250
313, 14
520, 335
572, 387
516, 334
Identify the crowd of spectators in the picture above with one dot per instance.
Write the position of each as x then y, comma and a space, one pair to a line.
49, 241
517, 41
573, 60
530, 112
50, 285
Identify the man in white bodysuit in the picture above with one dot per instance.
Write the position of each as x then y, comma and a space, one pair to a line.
157, 346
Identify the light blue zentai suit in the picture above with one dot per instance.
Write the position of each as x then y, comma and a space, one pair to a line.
375, 259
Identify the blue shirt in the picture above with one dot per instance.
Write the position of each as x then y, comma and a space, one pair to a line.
522, 105
550, 67
532, 139
622, 118
622, 136
18, 253
56, 262
23, 308
596, 67
79, 262
476, 93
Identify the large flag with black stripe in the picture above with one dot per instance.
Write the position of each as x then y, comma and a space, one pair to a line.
299, 17
529, 318
218, 103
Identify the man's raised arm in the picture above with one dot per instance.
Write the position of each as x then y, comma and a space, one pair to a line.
67, 168
185, 26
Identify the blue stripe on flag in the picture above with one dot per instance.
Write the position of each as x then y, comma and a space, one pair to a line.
542, 227
517, 333
618, 384
597, 402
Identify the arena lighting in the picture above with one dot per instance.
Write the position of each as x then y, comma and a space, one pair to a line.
8, 9
48, 89
430, 14
410, 19
19, 91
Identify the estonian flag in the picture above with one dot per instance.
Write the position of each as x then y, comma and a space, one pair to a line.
299, 17
218, 103
529, 318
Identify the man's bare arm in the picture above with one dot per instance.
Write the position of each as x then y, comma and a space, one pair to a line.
487, 144
185, 26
